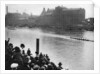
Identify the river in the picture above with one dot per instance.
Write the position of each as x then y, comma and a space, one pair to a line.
74, 54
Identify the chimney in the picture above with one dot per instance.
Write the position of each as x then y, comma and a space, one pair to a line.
6, 9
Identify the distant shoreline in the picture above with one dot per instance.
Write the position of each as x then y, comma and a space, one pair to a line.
55, 33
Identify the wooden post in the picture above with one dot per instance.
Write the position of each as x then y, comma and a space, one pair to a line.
37, 47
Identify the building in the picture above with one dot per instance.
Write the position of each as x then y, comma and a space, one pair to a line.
65, 15
48, 12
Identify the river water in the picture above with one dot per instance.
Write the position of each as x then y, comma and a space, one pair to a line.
74, 54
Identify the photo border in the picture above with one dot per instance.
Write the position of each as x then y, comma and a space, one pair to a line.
96, 37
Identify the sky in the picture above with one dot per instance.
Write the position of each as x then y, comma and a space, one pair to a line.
36, 9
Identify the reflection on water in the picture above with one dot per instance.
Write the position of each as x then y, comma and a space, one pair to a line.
74, 54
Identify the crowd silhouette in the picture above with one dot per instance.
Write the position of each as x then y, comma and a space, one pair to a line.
17, 59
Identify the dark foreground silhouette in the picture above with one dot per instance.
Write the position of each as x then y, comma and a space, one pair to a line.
17, 59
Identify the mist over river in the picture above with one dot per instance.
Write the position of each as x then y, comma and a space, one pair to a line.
74, 54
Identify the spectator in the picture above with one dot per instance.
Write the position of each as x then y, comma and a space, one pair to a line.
22, 47
60, 66
15, 60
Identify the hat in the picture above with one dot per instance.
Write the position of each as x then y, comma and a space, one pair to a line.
42, 68
36, 67
14, 65
60, 63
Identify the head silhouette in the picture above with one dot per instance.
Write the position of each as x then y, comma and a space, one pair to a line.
22, 45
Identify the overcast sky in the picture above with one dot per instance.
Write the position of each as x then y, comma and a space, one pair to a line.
36, 9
